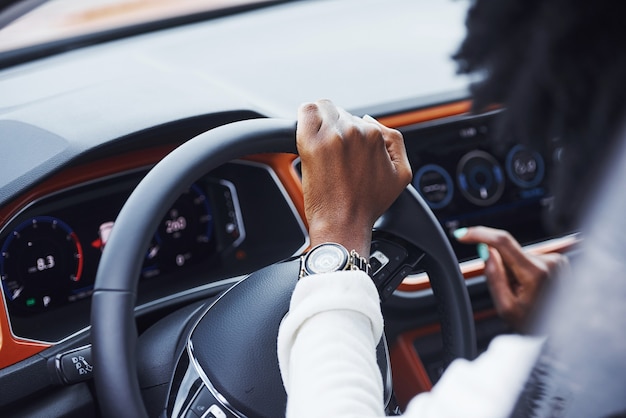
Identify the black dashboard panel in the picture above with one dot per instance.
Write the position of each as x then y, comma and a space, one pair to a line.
468, 178
217, 229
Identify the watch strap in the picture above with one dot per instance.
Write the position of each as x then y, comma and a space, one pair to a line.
357, 262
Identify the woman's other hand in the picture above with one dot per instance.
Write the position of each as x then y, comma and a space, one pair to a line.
514, 277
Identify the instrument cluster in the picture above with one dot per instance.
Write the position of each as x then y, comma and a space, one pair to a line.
49, 257
214, 232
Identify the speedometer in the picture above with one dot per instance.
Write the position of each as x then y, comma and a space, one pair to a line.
183, 234
41, 264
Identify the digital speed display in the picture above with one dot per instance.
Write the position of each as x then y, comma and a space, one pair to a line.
41, 264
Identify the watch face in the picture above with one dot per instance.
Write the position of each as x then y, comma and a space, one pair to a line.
326, 258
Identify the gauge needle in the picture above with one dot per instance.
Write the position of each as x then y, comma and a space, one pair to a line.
17, 292
153, 252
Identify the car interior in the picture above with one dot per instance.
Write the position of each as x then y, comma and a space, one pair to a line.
152, 217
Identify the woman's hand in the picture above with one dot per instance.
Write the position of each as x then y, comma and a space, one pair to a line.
515, 278
352, 171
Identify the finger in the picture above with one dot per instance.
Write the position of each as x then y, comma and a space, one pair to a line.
498, 282
388, 133
508, 247
329, 111
554, 261
314, 116
476, 234
307, 128
309, 119
394, 142
352, 129
400, 160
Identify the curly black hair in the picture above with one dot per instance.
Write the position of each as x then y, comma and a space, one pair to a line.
559, 69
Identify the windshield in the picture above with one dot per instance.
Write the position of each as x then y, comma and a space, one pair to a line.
62, 19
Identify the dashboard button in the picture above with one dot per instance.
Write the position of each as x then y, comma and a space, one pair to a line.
204, 405
216, 412
434, 184
480, 178
378, 260
524, 167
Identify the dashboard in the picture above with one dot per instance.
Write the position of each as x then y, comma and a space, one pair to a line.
218, 228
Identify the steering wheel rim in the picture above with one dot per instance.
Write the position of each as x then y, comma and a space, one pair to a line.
113, 332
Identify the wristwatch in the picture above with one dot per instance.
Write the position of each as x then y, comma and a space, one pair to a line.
329, 257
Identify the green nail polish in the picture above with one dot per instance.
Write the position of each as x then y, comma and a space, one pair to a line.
483, 251
460, 233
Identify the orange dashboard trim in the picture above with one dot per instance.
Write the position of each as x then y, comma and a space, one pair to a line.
13, 350
84, 173
409, 375
427, 114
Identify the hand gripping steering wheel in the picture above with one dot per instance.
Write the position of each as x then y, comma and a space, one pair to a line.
229, 360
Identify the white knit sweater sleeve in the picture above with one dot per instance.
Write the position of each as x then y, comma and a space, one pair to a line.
325, 347
326, 352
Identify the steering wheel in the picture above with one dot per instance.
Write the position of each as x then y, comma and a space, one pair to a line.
229, 358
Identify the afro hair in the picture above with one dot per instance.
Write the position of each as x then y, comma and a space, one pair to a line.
558, 67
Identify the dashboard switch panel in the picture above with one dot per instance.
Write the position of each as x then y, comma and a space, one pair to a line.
391, 263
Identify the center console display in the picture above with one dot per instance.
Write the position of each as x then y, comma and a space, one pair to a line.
467, 179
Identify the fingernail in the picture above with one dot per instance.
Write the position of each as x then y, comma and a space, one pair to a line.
369, 118
483, 251
459, 233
